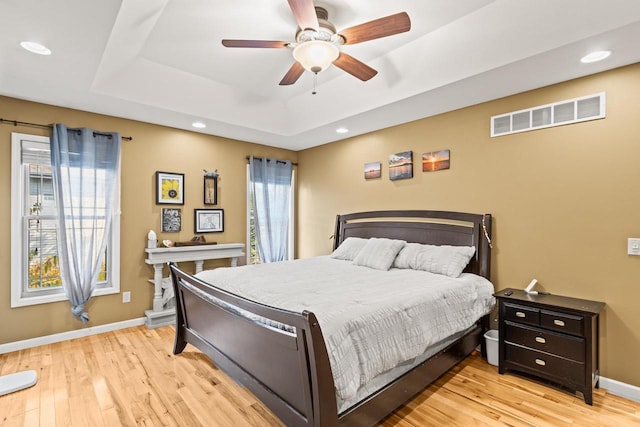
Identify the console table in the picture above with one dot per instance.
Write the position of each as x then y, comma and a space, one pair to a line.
163, 313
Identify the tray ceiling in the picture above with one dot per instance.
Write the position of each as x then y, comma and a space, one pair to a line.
161, 61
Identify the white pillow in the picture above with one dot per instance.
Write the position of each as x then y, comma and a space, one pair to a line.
407, 256
447, 260
349, 248
379, 253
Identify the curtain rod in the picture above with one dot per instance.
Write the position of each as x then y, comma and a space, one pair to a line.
279, 161
37, 125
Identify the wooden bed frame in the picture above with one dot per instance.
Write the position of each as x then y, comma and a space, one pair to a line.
290, 373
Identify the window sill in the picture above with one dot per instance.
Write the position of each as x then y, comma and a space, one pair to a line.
46, 299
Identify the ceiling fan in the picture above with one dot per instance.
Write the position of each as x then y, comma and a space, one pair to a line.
317, 42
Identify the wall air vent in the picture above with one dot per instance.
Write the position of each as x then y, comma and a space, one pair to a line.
576, 110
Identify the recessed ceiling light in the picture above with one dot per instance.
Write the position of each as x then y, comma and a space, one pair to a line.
595, 56
342, 129
34, 47
198, 125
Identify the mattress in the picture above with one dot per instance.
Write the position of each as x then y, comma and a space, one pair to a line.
372, 321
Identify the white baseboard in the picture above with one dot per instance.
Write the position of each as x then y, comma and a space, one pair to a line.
621, 389
64, 336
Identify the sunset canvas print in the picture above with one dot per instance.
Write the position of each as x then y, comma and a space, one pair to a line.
435, 161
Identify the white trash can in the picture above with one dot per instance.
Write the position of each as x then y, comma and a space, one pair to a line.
491, 342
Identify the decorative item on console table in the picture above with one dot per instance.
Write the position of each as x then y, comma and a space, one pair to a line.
152, 240
195, 240
163, 311
551, 337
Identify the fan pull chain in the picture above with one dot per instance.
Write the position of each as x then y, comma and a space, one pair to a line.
315, 80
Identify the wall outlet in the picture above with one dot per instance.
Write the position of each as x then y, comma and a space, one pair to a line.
126, 297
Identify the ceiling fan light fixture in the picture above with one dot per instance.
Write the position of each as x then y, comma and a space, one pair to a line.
316, 55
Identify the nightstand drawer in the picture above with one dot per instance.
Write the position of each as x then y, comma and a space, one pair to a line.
562, 322
543, 364
521, 314
538, 339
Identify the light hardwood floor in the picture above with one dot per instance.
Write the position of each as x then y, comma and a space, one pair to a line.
129, 377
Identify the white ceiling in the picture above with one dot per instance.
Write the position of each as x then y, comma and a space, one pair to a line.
161, 61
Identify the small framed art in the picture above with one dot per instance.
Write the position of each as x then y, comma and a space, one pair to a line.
401, 165
372, 170
171, 220
209, 220
210, 190
436, 161
169, 188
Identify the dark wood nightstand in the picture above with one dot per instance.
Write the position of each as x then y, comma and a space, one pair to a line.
550, 337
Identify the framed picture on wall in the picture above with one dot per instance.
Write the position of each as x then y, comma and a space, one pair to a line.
209, 220
401, 165
372, 170
171, 220
210, 190
169, 188
436, 161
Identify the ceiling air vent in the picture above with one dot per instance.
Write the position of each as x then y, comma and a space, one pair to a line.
576, 110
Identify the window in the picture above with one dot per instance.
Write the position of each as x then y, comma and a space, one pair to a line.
35, 274
252, 249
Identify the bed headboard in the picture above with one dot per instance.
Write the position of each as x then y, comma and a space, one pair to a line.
426, 227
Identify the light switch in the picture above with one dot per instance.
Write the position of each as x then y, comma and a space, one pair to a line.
633, 246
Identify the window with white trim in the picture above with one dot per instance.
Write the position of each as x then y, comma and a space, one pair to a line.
35, 274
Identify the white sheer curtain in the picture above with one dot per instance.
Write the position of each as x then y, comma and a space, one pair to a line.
85, 173
271, 190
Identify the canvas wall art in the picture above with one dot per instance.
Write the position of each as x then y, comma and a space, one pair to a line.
436, 161
372, 170
401, 165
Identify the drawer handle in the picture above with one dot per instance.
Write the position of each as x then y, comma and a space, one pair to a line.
541, 340
558, 322
520, 314
540, 362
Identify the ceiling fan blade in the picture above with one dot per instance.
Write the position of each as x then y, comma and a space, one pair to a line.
382, 27
254, 43
305, 13
293, 74
354, 67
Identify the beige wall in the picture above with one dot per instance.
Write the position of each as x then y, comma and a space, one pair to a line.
154, 148
564, 199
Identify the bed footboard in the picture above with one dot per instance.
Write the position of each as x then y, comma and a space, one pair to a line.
288, 370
